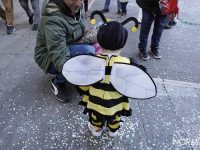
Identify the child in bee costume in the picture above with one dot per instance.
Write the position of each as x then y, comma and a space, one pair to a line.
107, 80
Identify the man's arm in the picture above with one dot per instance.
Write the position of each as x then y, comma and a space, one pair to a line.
58, 51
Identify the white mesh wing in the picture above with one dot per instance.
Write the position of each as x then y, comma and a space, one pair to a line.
132, 81
84, 69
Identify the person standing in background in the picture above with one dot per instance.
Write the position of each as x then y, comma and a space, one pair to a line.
107, 4
150, 13
8, 15
86, 7
33, 17
123, 4
62, 26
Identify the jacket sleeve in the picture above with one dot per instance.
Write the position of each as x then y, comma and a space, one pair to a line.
55, 34
149, 5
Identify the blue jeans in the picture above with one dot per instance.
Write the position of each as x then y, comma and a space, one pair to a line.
147, 20
74, 50
107, 4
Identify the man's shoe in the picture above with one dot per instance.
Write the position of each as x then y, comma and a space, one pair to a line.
105, 10
10, 29
60, 91
172, 23
155, 54
167, 27
30, 20
35, 26
143, 55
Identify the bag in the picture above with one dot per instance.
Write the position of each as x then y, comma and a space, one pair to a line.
89, 37
168, 7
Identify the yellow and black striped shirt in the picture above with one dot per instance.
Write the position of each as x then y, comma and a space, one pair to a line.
101, 98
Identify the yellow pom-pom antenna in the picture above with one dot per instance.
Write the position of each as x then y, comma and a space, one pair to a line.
97, 12
108, 19
134, 29
93, 21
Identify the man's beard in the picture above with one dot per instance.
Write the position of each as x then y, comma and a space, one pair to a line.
75, 9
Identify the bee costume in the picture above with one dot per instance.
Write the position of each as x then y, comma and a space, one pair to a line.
108, 80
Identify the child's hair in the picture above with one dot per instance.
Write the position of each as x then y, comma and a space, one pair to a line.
112, 35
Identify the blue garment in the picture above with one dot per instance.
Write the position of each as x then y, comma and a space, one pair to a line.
107, 4
74, 50
147, 20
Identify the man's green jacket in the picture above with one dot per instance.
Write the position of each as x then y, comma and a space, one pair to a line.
56, 32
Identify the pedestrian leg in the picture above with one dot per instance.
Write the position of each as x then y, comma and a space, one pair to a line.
118, 7
106, 6
36, 10
123, 7
147, 19
86, 5
8, 4
25, 6
159, 24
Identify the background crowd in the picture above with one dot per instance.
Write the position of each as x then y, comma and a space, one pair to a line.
7, 13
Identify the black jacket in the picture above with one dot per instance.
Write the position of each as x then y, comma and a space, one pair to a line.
149, 5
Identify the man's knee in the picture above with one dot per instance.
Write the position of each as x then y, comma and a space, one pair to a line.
89, 49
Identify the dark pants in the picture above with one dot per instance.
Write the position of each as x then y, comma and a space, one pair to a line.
74, 50
86, 5
107, 4
147, 20
123, 7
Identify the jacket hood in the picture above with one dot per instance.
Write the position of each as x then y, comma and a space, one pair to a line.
52, 6
48, 8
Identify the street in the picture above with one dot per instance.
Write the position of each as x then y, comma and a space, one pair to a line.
32, 119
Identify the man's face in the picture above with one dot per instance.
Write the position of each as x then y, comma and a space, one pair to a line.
74, 5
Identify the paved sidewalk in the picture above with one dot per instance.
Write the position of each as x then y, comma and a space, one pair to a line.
32, 119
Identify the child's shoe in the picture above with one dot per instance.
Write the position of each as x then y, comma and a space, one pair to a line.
113, 134
95, 132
